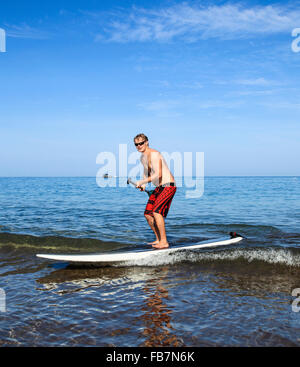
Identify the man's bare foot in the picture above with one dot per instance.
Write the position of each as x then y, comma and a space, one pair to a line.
161, 245
153, 243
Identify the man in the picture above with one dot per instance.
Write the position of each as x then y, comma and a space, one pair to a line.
157, 172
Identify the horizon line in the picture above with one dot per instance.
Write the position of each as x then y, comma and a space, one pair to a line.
128, 176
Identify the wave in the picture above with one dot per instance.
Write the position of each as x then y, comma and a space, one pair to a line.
237, 256
59, 244
265, 234
250, 251
258, 228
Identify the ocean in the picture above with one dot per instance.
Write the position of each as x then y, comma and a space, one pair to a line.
242, 295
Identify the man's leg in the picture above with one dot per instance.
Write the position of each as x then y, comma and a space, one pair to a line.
160, 222
154, 228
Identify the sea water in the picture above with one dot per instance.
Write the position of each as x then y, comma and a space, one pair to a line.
242, 295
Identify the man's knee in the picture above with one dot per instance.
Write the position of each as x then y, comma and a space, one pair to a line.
149, 218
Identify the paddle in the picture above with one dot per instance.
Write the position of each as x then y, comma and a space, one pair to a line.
129, 181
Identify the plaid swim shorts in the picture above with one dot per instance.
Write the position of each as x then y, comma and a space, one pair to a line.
160, 200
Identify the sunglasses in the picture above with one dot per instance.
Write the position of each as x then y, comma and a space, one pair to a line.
140, 144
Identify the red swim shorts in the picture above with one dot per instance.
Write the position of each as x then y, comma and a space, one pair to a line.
160, 200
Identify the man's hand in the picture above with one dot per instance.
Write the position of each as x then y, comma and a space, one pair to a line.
140, 185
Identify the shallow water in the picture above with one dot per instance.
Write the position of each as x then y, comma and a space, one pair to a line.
238, 296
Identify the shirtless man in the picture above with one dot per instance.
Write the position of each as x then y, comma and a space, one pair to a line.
157, 172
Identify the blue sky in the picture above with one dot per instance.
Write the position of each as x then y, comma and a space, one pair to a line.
219, 77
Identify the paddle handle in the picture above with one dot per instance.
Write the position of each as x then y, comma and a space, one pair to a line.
129, 181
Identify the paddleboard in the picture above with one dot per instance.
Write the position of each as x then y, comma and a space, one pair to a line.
114, 257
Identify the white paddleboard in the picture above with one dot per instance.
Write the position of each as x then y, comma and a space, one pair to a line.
132, 255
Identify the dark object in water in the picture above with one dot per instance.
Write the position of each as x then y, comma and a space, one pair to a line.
234, 235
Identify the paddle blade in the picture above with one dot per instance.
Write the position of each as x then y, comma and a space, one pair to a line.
129, 181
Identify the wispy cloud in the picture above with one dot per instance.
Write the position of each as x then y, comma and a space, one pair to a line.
220, 104
256, 92
177, 105
166, 84
191, 23
251, 82
162, 108
25, 31
158, 106
281, 105
254, 82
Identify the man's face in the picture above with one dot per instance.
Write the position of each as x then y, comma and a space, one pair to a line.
141, 144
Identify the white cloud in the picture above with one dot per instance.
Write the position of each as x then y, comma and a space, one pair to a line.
281, 105
156, 106
191, 23
256, 92
176, 105
255, 82
25, 31
219, 104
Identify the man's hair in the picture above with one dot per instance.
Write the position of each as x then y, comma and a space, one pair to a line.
143, 136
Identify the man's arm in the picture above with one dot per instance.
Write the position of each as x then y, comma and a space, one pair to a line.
142, 186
